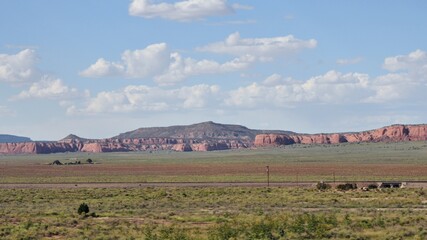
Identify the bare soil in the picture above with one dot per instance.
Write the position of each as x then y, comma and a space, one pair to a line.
314, 169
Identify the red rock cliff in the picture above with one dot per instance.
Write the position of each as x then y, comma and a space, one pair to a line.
395, 133
122, 145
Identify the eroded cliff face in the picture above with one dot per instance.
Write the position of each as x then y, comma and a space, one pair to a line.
18, 148
122, 145
395, 133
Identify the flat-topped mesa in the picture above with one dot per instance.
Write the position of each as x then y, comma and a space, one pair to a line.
38, 147
227, 137
18, 148
394, 133
6, 138
122, 145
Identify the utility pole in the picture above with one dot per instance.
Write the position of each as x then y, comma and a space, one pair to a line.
267, 168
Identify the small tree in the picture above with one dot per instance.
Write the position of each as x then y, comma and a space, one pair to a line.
347, 186
322, 186
90, 161
84, 208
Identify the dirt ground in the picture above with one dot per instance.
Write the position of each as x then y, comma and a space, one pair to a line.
412, 184
306, 169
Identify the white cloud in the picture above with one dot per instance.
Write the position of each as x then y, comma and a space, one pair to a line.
336, 88
408, 78
413, 62
140, 63
18, 68
180, 68
196, 96
273, 80
394, 86
260, 47
47, 87
333, 87
103, 68
349, 61
166, 68
186, 10
242, 7
143, 98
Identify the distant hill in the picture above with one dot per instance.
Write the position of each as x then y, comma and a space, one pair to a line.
72, 137
204, 130
5, 138
206, 136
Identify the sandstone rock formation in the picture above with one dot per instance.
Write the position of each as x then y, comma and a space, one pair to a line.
394, 133
208, 141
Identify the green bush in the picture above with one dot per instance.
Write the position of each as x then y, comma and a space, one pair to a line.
83, 208
347, 186
323, 186
223, 231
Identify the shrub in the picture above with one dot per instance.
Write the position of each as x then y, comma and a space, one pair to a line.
223, 231
373, 186
347, 186
83, 208
323, 186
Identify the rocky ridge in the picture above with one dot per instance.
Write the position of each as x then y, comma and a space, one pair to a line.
209, 137
394, 133
123, 145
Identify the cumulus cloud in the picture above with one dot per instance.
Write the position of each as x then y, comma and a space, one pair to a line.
166, 68
407, 78
414, 60
186, 10
260, 47
144, 98
18, 68
332, 87
180, 68
273, 80
103, 68
275, 91
139, 63
47, 87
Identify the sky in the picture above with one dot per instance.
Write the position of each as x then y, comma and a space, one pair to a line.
98, 68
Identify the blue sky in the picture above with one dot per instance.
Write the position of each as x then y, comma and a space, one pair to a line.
99, 68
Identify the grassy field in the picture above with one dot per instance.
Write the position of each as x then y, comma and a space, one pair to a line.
218, 212
344, 162
213, 213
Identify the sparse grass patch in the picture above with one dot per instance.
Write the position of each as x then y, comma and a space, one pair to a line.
212, 213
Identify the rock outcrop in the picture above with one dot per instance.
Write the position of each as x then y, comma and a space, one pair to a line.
221, 141
122, 145
394, 133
